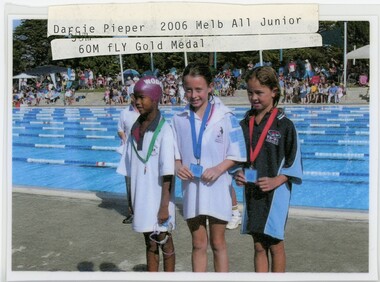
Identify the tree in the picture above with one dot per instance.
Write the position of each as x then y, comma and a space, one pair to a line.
31, 48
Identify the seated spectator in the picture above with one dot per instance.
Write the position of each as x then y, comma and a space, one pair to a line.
22, 96
39, 96
117, 97
69, 96
100, 81
289, 92
73, 98
54, 96
173, 94
231, 89
332, 93
166, 95
313, 93
124, 93
15, 98
48, 95
296, 86
304, 92
319, 97
38, 85
340, 92
325, 92
106, 97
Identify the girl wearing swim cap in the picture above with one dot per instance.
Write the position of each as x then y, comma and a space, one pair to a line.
150, 169
209, 139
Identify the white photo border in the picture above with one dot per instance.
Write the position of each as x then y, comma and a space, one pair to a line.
332, 11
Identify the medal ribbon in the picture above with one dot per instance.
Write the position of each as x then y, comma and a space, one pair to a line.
151, 145
197, 144
254, 153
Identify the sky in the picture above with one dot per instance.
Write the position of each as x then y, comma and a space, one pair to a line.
16, 23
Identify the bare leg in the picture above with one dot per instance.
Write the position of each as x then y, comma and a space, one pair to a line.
129, 216
278, 257
261, 258
218, 244
152, 254
168, 254
264, 244
198, 229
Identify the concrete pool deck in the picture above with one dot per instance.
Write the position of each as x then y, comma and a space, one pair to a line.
81, 232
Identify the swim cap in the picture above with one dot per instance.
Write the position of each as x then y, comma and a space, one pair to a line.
150, 86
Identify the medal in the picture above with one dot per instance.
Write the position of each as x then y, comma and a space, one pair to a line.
250, 175
151, 145
197, 169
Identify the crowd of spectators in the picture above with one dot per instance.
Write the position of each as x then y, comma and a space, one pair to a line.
301, 81
226, 82
65, 86
40, 92
306, 82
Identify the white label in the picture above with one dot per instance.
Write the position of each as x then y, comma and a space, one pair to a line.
181, 19
69, 48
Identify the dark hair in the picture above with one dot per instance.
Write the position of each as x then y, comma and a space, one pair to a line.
199, 69
267, 76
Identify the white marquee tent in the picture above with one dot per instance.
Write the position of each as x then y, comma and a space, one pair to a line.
22, 76
360, 53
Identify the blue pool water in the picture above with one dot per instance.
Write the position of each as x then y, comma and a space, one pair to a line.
74, 148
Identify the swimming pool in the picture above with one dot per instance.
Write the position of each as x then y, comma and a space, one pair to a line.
74, 148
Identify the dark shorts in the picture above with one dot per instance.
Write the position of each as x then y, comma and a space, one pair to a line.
265, 240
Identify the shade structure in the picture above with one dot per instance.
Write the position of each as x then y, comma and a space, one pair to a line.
360, 53
131, 72
46, 69
23, 76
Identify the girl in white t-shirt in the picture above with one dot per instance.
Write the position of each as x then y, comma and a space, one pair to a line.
149, 167
209, 142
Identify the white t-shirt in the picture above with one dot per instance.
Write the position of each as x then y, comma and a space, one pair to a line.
222, 139
145, 180
127, 118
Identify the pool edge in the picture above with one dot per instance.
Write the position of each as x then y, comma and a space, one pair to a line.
296, 212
